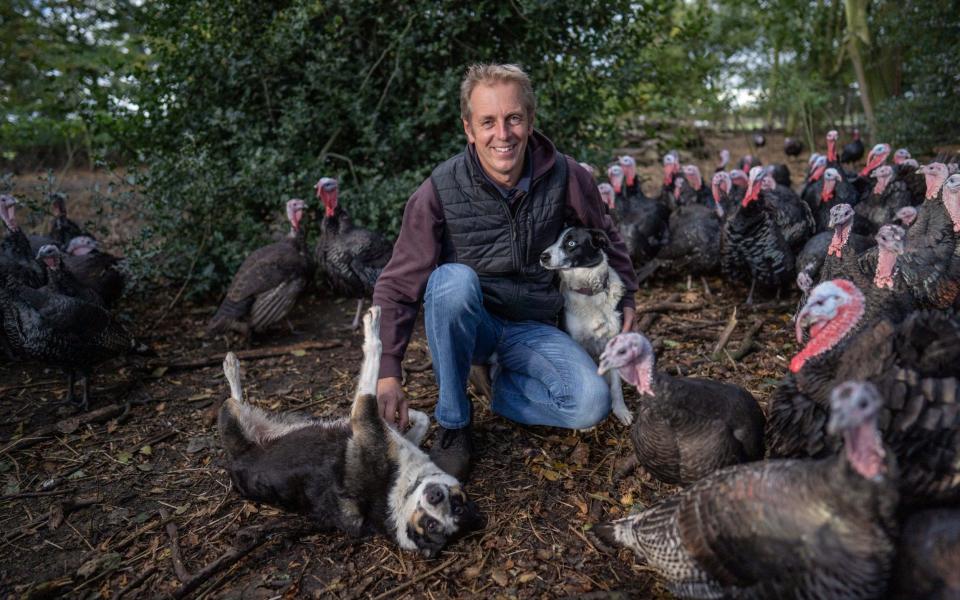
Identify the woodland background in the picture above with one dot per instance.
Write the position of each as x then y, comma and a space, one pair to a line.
212, 113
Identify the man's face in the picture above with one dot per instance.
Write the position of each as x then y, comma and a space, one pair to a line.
500, 129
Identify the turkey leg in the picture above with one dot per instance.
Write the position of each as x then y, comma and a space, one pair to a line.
70, 384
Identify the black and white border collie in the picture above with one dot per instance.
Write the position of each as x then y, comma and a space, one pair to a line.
591, 292
356, 474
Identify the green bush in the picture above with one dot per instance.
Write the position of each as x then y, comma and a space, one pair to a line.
249, 102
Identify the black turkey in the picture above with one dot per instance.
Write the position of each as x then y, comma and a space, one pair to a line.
615, 177
747, 162
792, 147
830, 191
833, 160
809, 193
63, 229
738, 189
930, 265
792, 214
671, 172
609, 197
693, 246
695, 192
915, 364
724, 161
810, 260
759, 140
351, 257
16, 256
780, 173
783, 528
853, 151
631, 183
100, 271
909, 173
722, 191
905, 217
266, 286
61, 280
887, 196
752, 247
685, 428
844, 244
928, 552
62, 331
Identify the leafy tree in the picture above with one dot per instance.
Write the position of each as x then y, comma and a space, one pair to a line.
63, 75
249, 102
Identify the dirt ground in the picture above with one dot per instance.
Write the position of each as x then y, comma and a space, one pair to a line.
131, 498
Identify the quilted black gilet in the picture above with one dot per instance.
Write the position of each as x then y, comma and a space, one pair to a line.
503, 241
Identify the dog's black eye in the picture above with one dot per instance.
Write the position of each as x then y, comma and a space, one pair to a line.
457, 510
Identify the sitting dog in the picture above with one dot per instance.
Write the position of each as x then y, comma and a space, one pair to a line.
591, 293
356, 474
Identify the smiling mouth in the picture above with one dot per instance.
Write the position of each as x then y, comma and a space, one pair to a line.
506, 150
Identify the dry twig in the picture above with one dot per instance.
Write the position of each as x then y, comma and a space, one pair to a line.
252, 354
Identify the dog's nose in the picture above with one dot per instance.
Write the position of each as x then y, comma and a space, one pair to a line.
544, 258
434, 494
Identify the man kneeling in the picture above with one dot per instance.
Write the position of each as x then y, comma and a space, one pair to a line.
469, 249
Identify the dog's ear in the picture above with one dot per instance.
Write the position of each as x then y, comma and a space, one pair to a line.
599, 238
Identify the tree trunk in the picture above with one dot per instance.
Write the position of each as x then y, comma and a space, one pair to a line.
858, 35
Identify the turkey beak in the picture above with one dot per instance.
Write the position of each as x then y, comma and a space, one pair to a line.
604, 365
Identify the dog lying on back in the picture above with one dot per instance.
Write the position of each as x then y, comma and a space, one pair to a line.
356, 474
592, 291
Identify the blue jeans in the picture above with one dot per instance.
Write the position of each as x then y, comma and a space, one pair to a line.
541, 376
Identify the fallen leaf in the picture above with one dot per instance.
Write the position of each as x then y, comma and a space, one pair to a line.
198, 443
146, 450
544, 554
550, 475
124, 457
580, 454
299, 352
500, 577
580, 504
627, 499
159, 371
68, 425
527, 576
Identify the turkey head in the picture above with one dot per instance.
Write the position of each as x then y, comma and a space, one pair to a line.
632, 355
935, 174
832, 310
615, 176
854, 412
327, 189
832, 136
629, 167
877, 156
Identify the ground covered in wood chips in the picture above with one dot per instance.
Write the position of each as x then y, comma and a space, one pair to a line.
90, 503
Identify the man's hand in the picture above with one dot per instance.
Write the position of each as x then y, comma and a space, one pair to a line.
393, 406
629, 315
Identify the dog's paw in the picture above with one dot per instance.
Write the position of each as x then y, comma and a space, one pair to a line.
623, 415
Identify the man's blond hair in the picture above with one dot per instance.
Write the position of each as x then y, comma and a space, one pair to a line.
494, 73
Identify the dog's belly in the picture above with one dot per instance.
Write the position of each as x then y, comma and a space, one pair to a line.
589, 323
